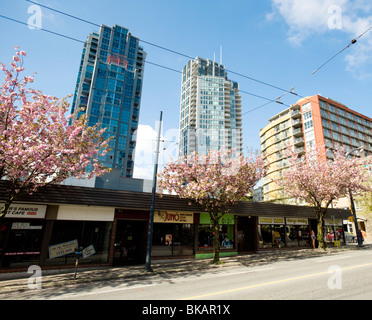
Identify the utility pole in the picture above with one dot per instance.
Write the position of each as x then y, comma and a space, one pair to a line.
151, 218
360, 242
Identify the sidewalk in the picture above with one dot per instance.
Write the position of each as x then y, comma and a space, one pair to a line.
13, 282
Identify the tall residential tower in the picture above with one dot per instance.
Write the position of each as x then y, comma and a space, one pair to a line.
211, 109
108, 91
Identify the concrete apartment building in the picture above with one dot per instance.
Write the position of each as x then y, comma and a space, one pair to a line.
311, 121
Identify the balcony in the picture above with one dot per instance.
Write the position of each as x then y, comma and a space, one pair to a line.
296, 123
299, 150
297, 132
298, 141
295, 114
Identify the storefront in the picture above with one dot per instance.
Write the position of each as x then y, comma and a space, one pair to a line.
297, 232
279, 232
129, 237
333, 232
205, 236
83, 227
271, 232
21, 235
173, 234
111, 226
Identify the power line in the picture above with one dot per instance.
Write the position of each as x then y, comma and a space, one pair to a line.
146, 61
353, 41
160, 47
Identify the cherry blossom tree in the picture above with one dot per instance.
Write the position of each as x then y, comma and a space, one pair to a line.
319, 180
215, 182
38, 145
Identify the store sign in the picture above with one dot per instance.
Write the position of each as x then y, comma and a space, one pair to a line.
332, 222
33, 211
173, 217
205, 218
25, 226
270, 220
297, 221
62, 249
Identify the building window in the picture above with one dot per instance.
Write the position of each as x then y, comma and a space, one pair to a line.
170, 239
87, 233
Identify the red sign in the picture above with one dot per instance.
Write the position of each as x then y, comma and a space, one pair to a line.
118, 59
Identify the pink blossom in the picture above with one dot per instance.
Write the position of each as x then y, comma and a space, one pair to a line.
36, 137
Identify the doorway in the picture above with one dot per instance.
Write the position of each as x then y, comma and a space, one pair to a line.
247, 234
130, 242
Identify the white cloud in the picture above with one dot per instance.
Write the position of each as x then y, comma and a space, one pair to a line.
306, 18
146, 140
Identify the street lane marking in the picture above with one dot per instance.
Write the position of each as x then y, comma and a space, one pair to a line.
272, 282
334, 258
241, 272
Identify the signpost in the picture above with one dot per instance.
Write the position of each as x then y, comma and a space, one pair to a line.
69, 247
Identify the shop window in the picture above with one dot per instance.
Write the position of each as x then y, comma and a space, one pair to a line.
206, 237
20, 242
291, 238
297, 236
271, 236
172, 239
87, 233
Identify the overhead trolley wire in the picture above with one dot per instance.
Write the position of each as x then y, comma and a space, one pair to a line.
160, 47
146, 61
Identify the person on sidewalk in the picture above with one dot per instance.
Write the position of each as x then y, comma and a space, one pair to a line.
312, 235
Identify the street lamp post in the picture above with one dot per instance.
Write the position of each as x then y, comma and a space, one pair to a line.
151, 218
360, 243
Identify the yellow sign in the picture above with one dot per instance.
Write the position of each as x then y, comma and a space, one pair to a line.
270, 220
351, 219
297, 221
173, 217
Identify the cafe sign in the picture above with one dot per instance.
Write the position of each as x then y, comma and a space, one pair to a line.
173, 217
33, 211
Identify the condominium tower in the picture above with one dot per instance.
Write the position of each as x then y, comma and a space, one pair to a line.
108, 91
311, 121
210, 113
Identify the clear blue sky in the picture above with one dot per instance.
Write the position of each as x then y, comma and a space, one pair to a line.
280, 42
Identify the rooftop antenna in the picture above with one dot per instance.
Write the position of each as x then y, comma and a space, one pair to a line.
220, 54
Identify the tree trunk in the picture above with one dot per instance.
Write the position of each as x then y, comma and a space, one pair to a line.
216, 242
320, 216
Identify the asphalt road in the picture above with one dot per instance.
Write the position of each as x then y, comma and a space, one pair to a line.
345, 276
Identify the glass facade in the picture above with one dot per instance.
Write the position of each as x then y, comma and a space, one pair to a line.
283, 232
108, 91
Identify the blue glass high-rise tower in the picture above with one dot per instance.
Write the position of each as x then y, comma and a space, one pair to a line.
108, 91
